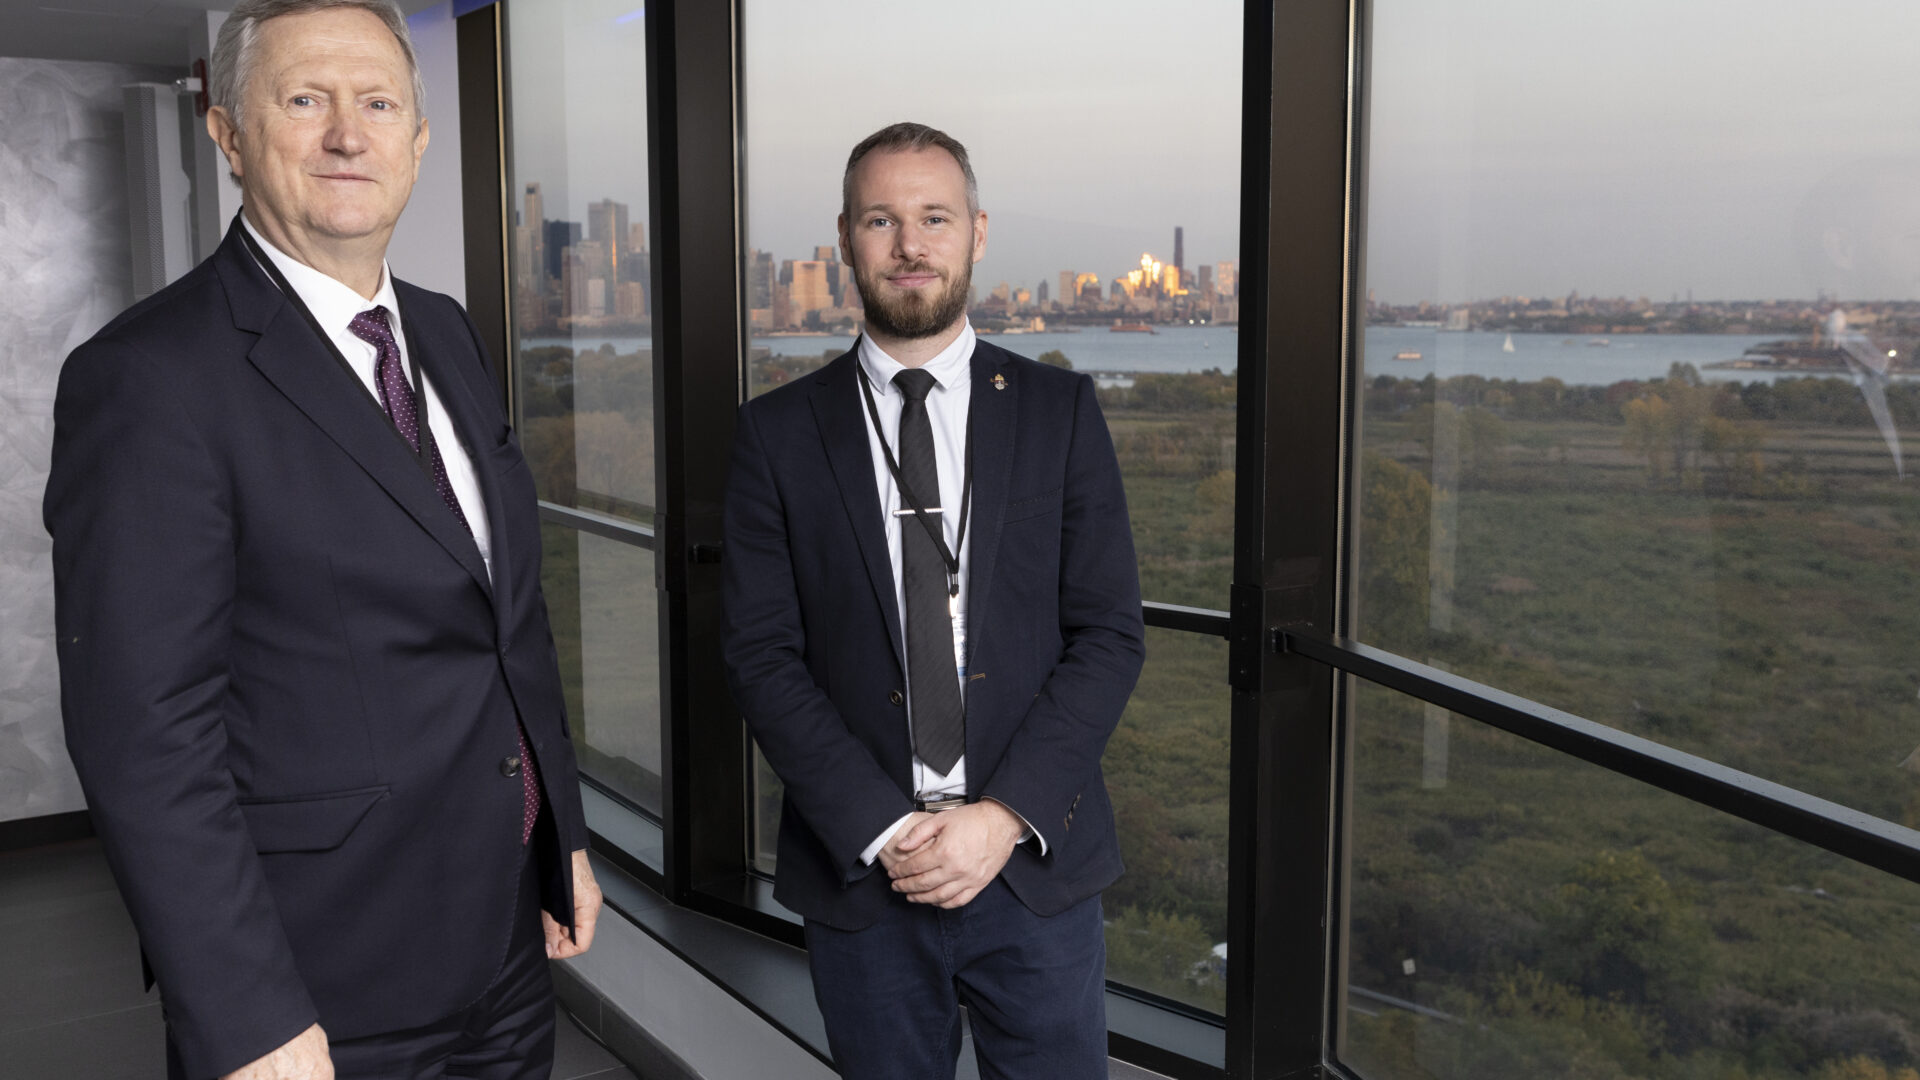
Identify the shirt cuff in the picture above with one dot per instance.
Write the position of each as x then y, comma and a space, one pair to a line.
1030, 834
873, 849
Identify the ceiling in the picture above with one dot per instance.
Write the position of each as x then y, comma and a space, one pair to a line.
120, 31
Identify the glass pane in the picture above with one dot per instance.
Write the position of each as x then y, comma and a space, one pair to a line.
767, 792
1116, 256
601, 600
1637, 371
1109, 250
581, 284
1166, 771
1517, 914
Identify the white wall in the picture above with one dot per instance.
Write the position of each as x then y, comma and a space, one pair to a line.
428, 247
65, 270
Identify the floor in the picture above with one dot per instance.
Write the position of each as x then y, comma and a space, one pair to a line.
71, 1007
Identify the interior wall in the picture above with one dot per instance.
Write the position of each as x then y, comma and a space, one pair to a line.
65, 270
429, 245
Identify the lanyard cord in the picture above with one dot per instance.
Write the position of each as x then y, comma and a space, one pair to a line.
424, 453
918, 507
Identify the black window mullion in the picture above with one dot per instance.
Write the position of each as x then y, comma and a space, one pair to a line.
1299, 123
692, 54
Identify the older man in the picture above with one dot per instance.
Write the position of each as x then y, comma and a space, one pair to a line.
308, 680
932, 625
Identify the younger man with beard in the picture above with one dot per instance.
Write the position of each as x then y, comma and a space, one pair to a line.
932, 626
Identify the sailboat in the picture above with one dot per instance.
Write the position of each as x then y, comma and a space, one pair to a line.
1507, 346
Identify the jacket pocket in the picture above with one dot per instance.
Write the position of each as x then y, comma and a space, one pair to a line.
307, 822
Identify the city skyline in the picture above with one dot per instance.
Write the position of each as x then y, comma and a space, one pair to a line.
1511, 149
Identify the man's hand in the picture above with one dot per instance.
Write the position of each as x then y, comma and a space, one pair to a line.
305, 1058
953, 855
586, 912
891, 855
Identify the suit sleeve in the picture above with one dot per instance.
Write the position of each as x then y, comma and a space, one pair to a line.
1055, 753
563, 789
144, 575
831, 778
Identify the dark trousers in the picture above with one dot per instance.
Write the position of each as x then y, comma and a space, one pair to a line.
506, 1035
1034, 988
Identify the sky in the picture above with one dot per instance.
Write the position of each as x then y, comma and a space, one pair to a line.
1726, 149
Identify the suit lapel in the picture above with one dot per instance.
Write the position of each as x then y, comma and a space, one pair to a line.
303, 368
437, 348
991, 411
837, 409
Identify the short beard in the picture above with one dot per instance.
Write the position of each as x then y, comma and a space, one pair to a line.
913, 317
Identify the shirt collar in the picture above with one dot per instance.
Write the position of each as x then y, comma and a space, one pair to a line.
333, 302
949, 368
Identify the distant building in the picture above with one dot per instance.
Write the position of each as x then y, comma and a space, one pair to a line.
810, 289
607, 226
760, 279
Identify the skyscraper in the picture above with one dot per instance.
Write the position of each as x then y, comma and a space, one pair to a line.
810, 291
1069, 288
1179, 248
1226, 284
760, 275
607, 226
533, 219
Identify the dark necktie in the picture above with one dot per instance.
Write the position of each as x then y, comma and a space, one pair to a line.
938, 717
396, 396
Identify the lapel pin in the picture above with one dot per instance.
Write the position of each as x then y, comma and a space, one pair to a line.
999, 381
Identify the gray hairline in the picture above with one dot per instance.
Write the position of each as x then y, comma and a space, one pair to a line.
909, 138
233, 50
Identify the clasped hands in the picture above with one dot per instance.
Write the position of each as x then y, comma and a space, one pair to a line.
945, 859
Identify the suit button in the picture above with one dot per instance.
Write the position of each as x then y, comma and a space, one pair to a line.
894, 697
510, 766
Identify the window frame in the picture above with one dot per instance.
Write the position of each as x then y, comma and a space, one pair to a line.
1303, 187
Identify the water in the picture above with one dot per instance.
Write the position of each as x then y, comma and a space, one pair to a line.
1574, 360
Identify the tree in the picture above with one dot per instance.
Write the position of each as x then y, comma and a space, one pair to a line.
1396, 539
1056, 358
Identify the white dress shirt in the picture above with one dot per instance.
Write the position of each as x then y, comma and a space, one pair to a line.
334, 304
947, 402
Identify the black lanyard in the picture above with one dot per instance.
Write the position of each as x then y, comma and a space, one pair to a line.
918, 507
424, 452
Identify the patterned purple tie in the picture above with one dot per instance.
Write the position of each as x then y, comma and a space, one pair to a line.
396, 396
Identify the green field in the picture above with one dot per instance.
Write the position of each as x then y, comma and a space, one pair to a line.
1725, 569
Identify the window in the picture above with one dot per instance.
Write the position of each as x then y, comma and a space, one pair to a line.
1640, 308
1110, 177
582, 385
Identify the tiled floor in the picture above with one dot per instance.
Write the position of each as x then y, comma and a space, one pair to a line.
70, 1000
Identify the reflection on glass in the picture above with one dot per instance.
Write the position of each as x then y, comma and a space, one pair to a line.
1517, 914
1166, 770
1631, 414
601, 600
580, 277
767, 793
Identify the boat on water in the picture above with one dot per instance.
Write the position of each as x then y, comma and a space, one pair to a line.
1132, 328
1408, 355
1507, 345
1599, 342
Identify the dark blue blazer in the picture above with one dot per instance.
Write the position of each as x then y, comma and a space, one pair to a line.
813, 642
289, 686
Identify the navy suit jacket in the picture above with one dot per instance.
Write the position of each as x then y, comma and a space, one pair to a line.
289, 686
813, 641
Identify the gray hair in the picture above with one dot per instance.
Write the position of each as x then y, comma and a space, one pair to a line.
233, 51
908, 136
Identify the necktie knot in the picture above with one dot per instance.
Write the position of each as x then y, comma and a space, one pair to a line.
372, 327
915, 384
